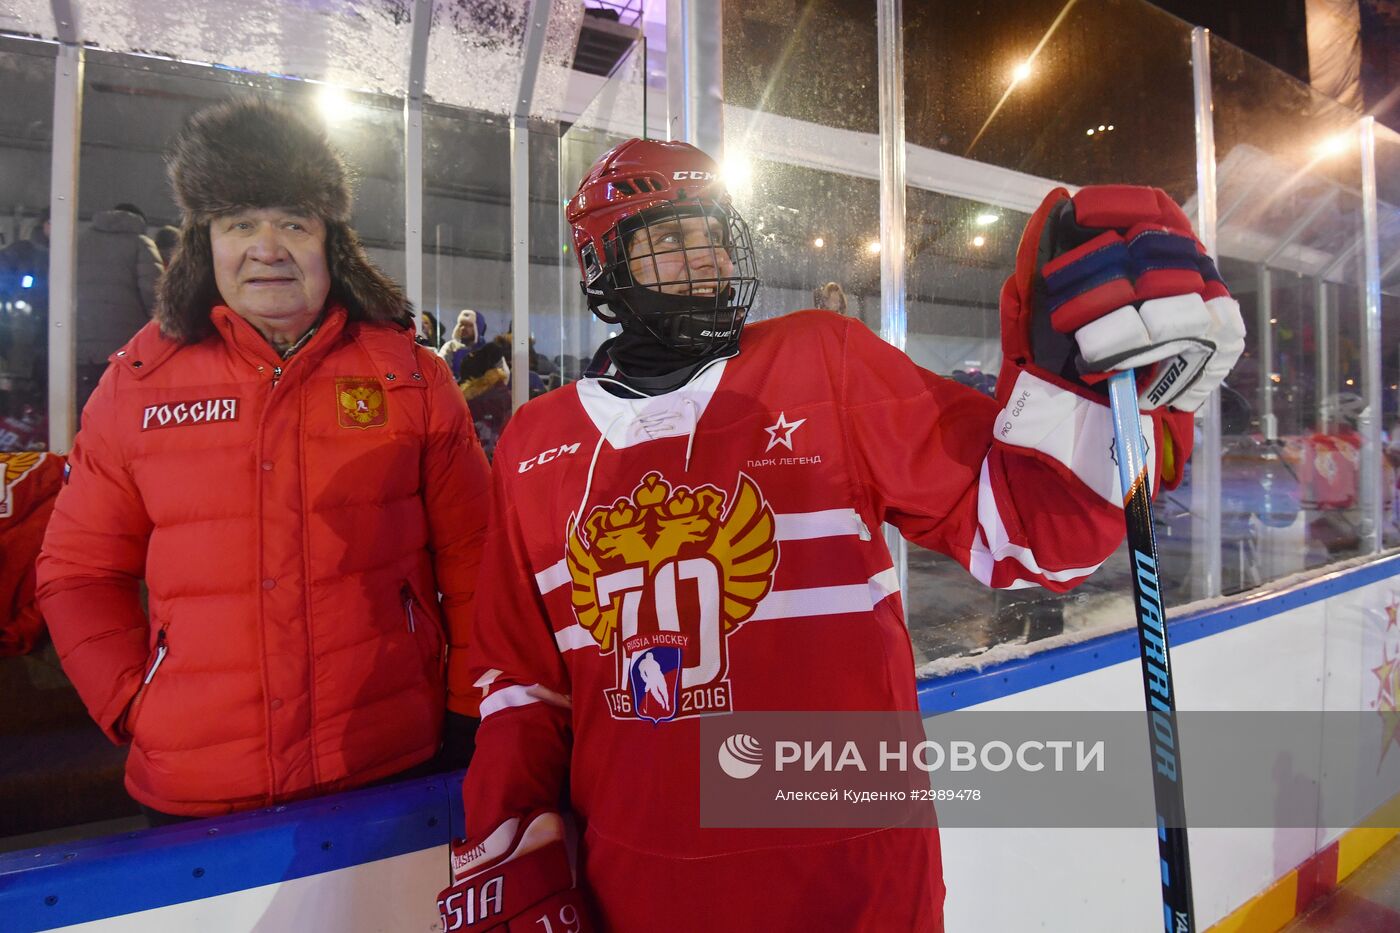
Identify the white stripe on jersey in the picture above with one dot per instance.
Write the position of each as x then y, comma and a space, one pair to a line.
797, 526
785, 604
575, 636
993, 544
522, 695
831, 523
551, 578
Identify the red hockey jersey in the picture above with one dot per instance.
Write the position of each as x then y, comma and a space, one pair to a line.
717, 549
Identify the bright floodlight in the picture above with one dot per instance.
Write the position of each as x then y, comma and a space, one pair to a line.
1021, 72
335, 107
737, 172
1089, 131
1333, 144
979, 241
874, 246
987, 219
819, 242
27, 282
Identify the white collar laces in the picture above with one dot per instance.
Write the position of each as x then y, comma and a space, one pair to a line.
654, 425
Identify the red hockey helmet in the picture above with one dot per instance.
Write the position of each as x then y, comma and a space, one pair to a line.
661, 247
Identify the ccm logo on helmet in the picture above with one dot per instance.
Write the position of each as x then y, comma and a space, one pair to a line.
692, 176
181, 413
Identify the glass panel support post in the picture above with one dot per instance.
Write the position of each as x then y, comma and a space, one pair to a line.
1268, 423
893, 310
537, 22
413, 158
1205, 466
63, 241
695, 73
1371, 472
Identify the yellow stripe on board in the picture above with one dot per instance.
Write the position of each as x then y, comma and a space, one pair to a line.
1357, 845
1266, 913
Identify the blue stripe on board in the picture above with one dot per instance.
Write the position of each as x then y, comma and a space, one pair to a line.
968, 688
60, 885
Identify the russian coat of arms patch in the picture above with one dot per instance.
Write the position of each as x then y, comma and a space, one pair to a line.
361, 402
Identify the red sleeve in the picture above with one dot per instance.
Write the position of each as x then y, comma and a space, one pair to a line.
456, 487
523, 745
91, 565
1020, 496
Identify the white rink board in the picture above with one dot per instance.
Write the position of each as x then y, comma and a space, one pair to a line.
1106, 879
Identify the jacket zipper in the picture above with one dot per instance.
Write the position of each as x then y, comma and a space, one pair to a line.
161, 649
407, 595
276, 375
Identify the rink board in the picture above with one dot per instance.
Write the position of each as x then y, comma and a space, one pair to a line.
373, 860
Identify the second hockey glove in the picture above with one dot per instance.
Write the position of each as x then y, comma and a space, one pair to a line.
1113, 278
518, 879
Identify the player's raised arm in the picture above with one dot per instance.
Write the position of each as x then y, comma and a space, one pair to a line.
1023, 490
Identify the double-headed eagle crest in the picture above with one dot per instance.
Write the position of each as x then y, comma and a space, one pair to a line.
361, 403
659, 523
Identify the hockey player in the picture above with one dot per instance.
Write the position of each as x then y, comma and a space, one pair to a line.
692, 529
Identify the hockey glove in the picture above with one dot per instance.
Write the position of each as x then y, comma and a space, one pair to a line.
1113, 278
517, 880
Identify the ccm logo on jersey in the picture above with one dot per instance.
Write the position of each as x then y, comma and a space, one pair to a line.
547, 456
180, 413
692, 176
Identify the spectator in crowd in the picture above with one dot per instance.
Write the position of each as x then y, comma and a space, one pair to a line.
166, 239
118, 266
429, 331
297, 482
468, 336
831, 297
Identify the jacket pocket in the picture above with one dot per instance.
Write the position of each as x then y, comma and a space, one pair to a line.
157, 658
425, 627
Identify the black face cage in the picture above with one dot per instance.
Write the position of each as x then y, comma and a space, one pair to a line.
701, 310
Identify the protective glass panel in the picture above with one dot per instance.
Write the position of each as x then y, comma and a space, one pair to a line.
132, 109
476, 55
26, 82
618, 112
802, 151
466, 254
980, 158
1074, 92
1289, 214
37, 699
1388, 225
353, 43
28, 18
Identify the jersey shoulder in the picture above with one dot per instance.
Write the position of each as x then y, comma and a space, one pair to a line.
543, 417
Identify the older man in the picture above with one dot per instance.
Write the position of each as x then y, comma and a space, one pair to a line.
297, 482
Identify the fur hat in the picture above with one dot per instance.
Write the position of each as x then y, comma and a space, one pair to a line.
252, 154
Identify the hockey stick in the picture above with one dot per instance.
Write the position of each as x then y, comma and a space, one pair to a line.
1178, 915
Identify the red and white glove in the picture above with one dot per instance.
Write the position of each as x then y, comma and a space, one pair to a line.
1111, 279
517, 880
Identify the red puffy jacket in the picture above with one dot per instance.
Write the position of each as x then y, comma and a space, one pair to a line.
295, 522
